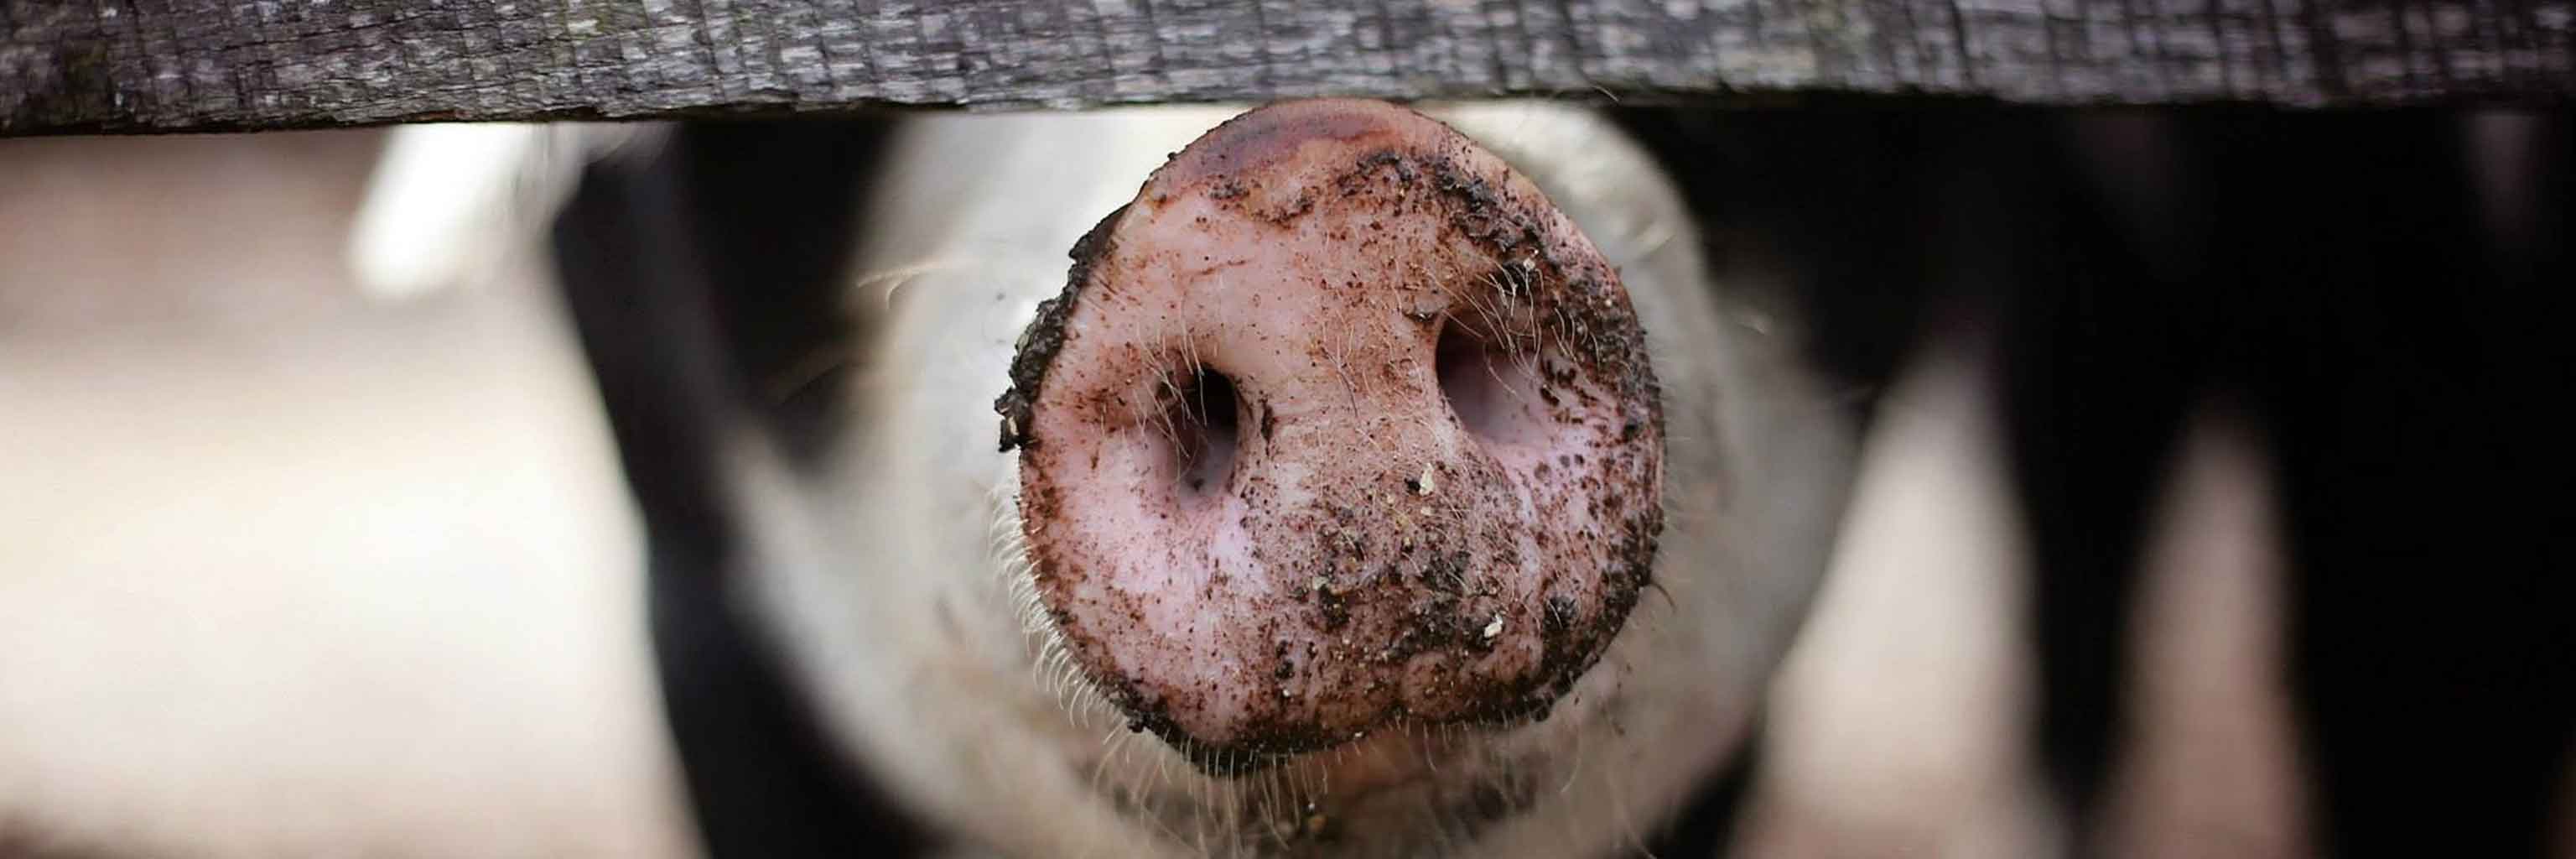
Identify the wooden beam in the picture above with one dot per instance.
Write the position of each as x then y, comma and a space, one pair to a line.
171, 65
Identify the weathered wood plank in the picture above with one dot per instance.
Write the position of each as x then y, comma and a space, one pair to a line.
155, 65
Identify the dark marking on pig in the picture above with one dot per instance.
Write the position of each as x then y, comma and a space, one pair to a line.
1045, 336
1331, 606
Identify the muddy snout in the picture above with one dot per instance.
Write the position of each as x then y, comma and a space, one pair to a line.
1339, 426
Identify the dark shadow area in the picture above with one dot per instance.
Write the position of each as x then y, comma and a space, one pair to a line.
691, 274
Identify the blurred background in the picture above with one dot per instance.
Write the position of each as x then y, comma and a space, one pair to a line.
288, 570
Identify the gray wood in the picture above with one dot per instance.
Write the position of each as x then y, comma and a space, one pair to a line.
158, 65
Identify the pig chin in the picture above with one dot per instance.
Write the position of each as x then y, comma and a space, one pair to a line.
1338, 430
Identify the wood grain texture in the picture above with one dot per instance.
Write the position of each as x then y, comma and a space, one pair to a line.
161, 65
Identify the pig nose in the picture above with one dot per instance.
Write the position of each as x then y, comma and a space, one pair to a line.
1339, 425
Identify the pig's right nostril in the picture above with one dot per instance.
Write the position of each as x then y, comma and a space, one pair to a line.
1203, 414
1471, 378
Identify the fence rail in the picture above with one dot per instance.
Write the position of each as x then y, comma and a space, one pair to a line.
175, 65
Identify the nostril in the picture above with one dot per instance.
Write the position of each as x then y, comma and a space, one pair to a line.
1482, 381
1204, 418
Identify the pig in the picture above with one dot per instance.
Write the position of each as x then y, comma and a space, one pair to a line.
752, 302
1376, 483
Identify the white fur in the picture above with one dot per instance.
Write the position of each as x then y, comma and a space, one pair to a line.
448, 201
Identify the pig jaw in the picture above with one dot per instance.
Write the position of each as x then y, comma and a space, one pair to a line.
1338, 427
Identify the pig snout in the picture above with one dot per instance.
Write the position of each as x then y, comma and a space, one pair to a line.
1338, 426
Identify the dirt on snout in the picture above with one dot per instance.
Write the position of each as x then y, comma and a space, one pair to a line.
1442, 497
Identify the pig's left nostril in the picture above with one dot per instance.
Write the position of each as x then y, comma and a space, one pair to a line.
1205, 419
1482, 381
